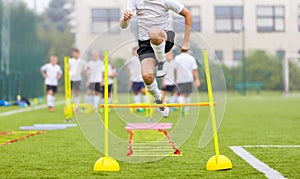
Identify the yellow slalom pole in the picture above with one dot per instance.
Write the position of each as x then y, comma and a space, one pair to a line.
106, 101
106, 163
211, 100
218, 162
68, 94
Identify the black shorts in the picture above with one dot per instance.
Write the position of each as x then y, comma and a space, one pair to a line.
137, 86
51, 87
170, 88
95, 87
109, 89
145, 50
185, 88
75, 85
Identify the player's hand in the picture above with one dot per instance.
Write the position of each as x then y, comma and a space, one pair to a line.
197, 83
164, 86
87, 84
185, 46
127, 15
45, 76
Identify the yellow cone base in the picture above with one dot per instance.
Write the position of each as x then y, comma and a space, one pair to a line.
107, 164
218, 163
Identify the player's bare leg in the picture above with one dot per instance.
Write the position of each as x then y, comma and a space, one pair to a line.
158, 39
148, 66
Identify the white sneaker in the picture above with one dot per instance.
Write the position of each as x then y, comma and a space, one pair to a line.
160, 70
164, 111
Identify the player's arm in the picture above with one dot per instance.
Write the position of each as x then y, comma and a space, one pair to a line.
124, 22
188, 27
196, 77
175, 75
42, 70
59, 75
163, 82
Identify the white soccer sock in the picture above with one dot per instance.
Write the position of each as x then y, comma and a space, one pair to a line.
49, 100
173, 99
146, 99
153, 89
187, 100
96, 101
137, 98
159, 51
86, 98
76, 99
109, 100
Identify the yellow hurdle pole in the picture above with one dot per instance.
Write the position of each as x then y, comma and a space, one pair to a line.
106, 102
211, 101
142, 105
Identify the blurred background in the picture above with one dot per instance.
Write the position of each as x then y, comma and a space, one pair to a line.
256, 41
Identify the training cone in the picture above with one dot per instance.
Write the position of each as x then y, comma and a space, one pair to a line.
107, 164
218, 163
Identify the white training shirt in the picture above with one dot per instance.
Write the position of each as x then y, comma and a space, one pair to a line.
134, 67
185, 64
153, 14
76, 68
52, 72
170, 66
111, 70
94, 68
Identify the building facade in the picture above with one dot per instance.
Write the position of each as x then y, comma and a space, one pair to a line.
229, 26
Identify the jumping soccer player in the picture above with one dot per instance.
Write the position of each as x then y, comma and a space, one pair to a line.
185, 73
133, 68
94, 74
168, 82
156, 38
52, 73
77, 67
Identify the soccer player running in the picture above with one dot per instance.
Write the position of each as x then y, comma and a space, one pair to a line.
133, 68
52, 73
156, 38
168, 81
185, 73
94, 74
77, 67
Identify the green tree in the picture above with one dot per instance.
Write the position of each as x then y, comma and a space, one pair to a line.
57, 14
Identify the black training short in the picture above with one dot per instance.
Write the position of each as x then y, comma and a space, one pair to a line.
185, 88
109, 89
170, 88
95, 87
75, 85
145, 50
52, 88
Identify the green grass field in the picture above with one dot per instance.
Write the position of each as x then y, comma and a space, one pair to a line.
251, 120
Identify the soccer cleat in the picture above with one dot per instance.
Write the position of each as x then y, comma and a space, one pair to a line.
164, 111
160, 70
50, 109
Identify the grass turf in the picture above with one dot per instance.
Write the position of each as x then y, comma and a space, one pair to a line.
250, 120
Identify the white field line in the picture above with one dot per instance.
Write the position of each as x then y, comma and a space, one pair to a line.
255, 163
29, 109
271, 146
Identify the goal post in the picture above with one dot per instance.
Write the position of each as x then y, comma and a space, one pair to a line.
286, 70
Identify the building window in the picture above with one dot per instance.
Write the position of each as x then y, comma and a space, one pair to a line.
105, 18
280, 54
238, 55
219, 54
229, 18
299, 18
270, 18
178, 20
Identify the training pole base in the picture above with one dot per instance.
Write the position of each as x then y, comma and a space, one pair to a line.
218, 163
106, 164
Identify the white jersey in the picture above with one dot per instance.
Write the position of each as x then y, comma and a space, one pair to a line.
111, 70
52, 72
76, 68
134, 67
153, 14
185, 64
170, 66
94, 68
